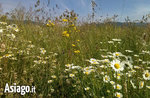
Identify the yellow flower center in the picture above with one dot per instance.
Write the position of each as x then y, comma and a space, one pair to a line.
118, 95
87, 69
147, 75
118, 87
71, 75
106, 61
106, 78
86, 73
94, 62
117, 66
73, 45
118, 74
142, 83
117, 54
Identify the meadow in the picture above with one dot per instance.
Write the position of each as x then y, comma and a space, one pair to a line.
64, 59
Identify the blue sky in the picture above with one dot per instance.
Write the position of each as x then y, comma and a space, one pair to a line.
135, 9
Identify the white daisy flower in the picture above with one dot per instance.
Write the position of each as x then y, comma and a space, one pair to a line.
117, 54
106, 78
71, 75
146, 75
69, 65
118, 87
88, 70
93, 61
141, 84
118, 75
50, 81
87, 88
118, 95
112, 82
53, 76
42, 50
117, 65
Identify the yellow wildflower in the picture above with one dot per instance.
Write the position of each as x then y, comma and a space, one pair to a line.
65, 32
52, 24
65, 20
77, 51
67, 35
47, 24
72, 25
73, 45
49, 21
75, 18
75, 28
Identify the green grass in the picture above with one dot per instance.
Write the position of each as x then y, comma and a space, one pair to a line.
93, 38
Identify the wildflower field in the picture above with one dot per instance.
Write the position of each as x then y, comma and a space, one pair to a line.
65, 58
